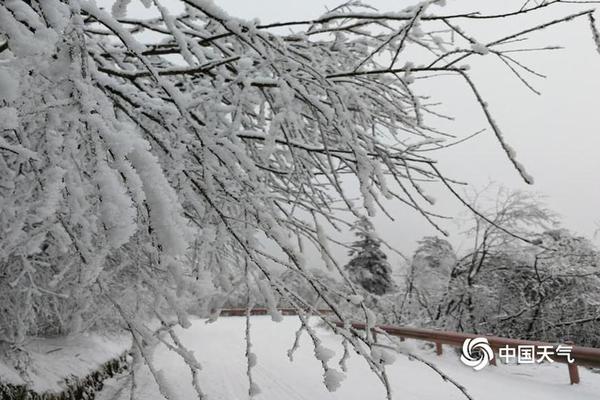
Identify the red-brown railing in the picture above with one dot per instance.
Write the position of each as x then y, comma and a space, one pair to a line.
584, 356
240, 312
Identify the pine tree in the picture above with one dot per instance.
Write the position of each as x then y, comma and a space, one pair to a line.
369, 267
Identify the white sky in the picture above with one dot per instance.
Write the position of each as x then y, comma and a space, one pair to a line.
555, 135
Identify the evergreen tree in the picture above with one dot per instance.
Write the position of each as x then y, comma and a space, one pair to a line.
369, 267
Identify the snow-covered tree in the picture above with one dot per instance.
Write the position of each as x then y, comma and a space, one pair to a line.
523, 277
506, 223
428, 276
552, 293
368, 266
124, 140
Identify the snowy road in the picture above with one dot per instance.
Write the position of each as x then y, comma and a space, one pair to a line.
220, 348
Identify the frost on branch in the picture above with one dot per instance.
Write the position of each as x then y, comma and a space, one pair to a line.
333, 379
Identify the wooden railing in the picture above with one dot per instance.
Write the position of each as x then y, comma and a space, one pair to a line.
582, 356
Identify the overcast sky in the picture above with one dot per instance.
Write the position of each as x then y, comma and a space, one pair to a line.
555, 135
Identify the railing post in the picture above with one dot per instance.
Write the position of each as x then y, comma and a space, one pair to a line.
573, 373
493, 359
438, 348
573, 369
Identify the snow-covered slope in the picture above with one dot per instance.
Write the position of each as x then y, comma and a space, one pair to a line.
220, 348
52, 361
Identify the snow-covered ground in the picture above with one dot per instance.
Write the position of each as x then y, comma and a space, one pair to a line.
52, 360
220, 348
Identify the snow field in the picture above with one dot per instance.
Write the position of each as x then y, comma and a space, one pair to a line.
220, 348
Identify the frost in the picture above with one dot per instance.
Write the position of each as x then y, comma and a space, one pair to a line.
245, 64
21, 40
275, 315
408, 75
382, 356
324, 248
119, 8
333, 379
356, 299
595, 33
418, 32
210, 7
56, 13
432, 200
118, 214
9, 85
371, 319
270, 301
107, 20
22, 12
165, 209
253, 390
9, 117
252, 359
323, 353
479, 48
166, 386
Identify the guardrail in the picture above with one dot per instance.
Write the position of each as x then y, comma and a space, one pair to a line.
583, 356
240, 312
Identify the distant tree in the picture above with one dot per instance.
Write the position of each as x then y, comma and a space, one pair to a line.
428, 275
523, 277
506, 221
548, 293
369, 266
